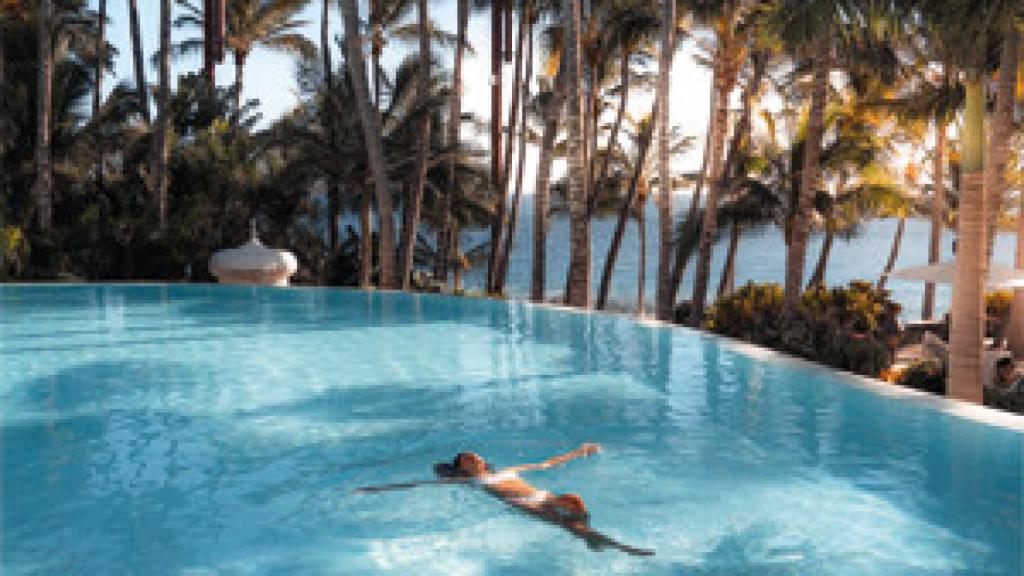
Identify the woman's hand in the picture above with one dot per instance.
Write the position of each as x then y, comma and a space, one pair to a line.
588, 449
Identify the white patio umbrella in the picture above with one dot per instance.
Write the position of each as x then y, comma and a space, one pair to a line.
999, 276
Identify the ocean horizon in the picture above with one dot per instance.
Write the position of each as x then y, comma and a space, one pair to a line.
760, 258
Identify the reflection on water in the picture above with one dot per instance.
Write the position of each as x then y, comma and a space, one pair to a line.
215, 429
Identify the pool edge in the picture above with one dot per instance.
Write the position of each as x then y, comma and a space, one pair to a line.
958, 408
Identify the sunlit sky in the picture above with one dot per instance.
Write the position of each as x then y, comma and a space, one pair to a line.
270, 76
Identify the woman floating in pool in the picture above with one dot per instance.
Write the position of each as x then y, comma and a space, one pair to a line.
565, 510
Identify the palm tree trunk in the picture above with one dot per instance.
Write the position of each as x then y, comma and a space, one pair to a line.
374, 142
999, 140
208, 62
709, 226
97, 90
938, 215
894, 253
968, 309
796, 251
366, 204
43, 190
641, 269
742, 132
366, 237
613, 136
1015, 335
454, 137
456, 255
409, 234
682, 257
500, 223
590, 133
579, 257
506, 252
552, 112
376, 50
139, 61
162, 148
818, 277
239, 72
663, 300
3, 128
497, 11
333, 187
728, 281
624, 212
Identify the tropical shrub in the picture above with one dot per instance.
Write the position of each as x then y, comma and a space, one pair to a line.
926, 375
1004, 401
997, 304
997, 309
845, 327
14, 250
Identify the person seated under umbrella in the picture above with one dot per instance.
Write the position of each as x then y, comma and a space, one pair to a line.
1007, 380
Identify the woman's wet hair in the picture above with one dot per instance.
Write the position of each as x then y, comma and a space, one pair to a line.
453, 469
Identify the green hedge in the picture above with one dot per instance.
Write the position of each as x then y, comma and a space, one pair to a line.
844, 327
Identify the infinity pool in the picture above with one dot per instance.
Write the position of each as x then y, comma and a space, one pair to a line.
222, 430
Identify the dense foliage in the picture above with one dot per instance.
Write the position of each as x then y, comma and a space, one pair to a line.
845, 327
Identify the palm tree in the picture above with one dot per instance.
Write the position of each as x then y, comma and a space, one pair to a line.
263, 23
374, 142
938, 203
333, 188
5, 130
902, 208
630, 26
43, 189
966, 344
729, 55
501, 198
137, 58
960, 23
629, 205
579, 257
97, 94
444, 235
1016, 332
412, 208
498, 9
748, 203
663, 300
932, 96
809, 29
902, 204
551, 104
162, 134
1001, 129
529, 16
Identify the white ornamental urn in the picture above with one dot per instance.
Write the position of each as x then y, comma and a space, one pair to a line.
253, 263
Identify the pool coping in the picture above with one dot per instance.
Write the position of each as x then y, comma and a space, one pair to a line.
958, 408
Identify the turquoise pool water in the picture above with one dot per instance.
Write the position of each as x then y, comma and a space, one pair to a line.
222, 430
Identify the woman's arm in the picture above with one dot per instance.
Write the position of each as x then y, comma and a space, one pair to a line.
405, 485
583, 450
